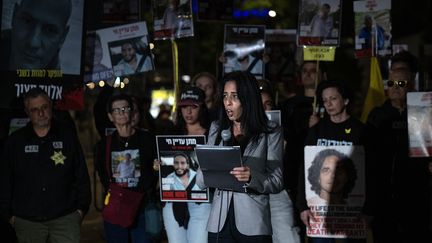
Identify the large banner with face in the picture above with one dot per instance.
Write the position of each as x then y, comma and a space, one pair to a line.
335, 190
243, 49
172, 19
420, 123
178, 166
41, 43
372, 28
319, 22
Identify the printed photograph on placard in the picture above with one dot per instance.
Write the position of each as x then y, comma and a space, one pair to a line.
52, 49
420, 123
125, 167
335, 190
274, 115
130, 56
94, 69
49, 58
172, 19
281, 48
319, 22
243, 49
118, 51
178, 166
372, 28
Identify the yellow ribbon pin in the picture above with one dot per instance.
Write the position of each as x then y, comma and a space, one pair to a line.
347, 130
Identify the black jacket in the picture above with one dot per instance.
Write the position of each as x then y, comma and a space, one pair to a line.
43, 178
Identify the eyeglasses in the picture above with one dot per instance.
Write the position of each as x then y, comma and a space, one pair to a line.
122, 110
400, 83
35, 110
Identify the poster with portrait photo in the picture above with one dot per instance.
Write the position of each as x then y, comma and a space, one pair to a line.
41, 45
319, 23
275, 116
281, 48
243, 49
372, 28
94, 70
125, 166
178, 165
172, 19
420, 123
125, 50
335, 190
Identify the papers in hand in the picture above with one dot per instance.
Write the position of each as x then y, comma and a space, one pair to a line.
216, 163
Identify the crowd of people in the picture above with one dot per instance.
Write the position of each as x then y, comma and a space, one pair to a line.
45, 188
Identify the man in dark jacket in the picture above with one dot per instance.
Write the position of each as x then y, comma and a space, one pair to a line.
44, 182
400, 202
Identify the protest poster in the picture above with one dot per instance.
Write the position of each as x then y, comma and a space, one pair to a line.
319, 23
372, 28
172, 19
420, 123
335, 190
275, 116
243, 49
123, 50
49, 59
178, 165
281, 47
126, 167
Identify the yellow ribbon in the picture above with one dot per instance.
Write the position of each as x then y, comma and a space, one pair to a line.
175, 72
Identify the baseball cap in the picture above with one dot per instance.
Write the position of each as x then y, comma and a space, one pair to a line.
191, 96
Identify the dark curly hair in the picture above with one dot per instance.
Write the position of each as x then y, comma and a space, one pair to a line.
347, 165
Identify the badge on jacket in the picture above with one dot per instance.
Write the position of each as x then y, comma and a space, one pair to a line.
58, 158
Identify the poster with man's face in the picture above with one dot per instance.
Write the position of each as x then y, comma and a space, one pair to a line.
372, 28
172, 19
319, 22
118, 51
335, 190
41, 43
243, 49
178, 168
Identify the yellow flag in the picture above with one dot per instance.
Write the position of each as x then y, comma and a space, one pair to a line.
375, 94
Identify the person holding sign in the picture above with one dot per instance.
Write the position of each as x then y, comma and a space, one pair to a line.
245, 216
401, 193
185, 221
337, 128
